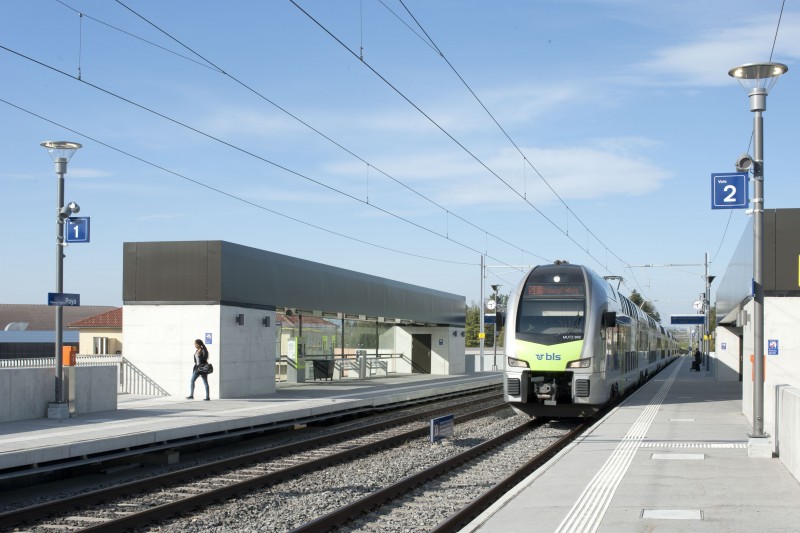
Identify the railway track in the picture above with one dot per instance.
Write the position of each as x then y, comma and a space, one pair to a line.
144, 502
411, 501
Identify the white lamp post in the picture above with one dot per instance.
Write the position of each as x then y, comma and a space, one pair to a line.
61, 152
757, 79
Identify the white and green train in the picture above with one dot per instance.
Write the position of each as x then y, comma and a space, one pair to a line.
574, 342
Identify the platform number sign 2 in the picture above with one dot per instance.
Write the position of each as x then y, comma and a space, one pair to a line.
77, 229
729, 190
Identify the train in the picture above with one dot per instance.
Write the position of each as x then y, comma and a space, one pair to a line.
574, 343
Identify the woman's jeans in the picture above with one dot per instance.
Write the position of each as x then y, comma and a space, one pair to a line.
195, 375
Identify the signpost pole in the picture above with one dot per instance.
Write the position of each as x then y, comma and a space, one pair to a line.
61, 151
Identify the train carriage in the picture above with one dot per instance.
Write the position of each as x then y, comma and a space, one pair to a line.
574, 342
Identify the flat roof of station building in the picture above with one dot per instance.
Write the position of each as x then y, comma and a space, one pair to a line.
220, 272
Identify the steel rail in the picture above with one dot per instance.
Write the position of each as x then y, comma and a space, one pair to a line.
472, 510
38, 512
360, 507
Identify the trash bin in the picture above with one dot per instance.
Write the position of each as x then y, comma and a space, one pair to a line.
323, 369
68, 355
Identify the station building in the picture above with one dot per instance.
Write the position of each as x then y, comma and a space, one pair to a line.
252, 307
734, 331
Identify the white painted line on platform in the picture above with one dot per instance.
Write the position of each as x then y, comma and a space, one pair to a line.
591, 506
716, 445
673, 514
678, 456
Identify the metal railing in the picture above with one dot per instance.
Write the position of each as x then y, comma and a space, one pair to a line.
131, 379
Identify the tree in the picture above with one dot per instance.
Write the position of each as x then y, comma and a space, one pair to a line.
473, 324
645, 306
472, 327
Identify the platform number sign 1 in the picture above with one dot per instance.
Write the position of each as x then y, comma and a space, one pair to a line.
729, 190
77, 229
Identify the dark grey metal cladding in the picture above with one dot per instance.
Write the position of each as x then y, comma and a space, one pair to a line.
171, 272
781, 251
786, 246
223, 272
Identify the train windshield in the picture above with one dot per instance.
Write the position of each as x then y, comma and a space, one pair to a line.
552, 308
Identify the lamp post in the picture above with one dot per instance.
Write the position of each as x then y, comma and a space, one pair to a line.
706, 320
757, 79
494, 288
61, 152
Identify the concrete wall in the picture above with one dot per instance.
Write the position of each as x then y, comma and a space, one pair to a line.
781, 319
487, 362
447, 350
788, 434
25, 393
726, 353
91, 389
159, 340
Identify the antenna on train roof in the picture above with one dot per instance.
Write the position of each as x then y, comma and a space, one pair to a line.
560, 262
618, 278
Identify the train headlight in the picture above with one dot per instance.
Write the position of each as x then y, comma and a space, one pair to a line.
517, 363
580, 363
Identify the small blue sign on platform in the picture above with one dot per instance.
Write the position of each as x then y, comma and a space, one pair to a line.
63, 299
209, 338
77, 229
772, 347
442, 427
729, 190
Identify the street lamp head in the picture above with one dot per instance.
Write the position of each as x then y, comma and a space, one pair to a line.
61, 149
757, 79
495, 287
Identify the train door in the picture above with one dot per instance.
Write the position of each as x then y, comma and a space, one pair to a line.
421, 353
612, 353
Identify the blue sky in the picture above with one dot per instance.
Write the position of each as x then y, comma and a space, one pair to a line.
614, 114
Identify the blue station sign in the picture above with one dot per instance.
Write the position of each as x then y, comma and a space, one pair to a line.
77, 229
729, 190
63, 299
676, 320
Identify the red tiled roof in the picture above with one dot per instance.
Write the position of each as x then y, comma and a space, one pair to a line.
109, 319
37, 317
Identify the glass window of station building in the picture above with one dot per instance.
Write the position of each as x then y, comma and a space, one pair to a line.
333, 337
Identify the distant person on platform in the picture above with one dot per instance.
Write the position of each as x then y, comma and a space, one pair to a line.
698, 359
200, 360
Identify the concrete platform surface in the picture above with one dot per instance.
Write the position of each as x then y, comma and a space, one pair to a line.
672, 458
142, 421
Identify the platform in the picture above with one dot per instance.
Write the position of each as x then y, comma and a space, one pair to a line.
161, 421
673, 457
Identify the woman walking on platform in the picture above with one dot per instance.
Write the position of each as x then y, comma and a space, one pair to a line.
200, 360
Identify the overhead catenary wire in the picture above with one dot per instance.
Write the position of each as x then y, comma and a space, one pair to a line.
450, 136
237, 80
215, 67
226, 193
244, 151
525, 159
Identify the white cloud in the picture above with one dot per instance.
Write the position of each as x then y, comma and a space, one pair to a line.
162, 216
87, 173
597, 169
705, 62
